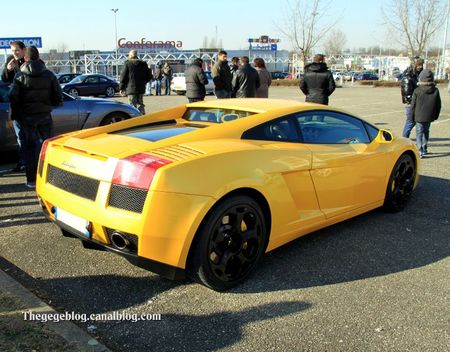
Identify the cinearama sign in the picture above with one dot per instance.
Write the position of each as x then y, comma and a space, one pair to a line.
28, 41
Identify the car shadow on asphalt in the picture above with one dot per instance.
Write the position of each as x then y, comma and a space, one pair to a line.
370, 245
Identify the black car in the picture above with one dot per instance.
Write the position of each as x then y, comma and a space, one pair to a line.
279, 75
92, 84
66, 77
366, 76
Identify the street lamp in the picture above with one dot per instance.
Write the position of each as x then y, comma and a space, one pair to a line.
117, 53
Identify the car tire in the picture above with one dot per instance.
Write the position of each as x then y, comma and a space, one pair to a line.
229, 244
110, 92
401, 184
113, 118
73, 92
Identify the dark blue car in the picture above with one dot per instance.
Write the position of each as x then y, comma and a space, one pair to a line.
91, 85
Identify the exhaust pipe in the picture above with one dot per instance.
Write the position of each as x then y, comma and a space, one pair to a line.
119, 241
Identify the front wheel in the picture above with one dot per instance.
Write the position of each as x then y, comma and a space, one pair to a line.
73, 92
113, 117
110, 92
229, 245
401, 184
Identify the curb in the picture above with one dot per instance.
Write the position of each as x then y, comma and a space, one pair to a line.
66, 329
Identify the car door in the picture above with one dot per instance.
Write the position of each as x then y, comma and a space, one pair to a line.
66, 117
91, 85
103, 83
7, 136
348, 170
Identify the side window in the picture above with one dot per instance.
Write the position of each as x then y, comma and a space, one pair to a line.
372, 131
103, 80
326, 127
282, 130
91, 80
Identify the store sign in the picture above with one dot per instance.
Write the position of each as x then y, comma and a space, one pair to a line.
123, 43
263, 47
28, 41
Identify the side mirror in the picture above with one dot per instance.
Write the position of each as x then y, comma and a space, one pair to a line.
384, 136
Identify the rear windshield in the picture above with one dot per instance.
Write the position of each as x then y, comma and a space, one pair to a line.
154, 133
215, 115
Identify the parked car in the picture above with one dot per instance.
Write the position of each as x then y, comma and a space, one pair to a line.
279, 75
277, 170
178, 84
66, 77
91, 84
366, 76
75, 114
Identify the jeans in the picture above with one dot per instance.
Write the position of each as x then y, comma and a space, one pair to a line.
422, 136
18, 129
222, 94
137, 101
409, 125
158, 87
167, 83
148, 88
36, 129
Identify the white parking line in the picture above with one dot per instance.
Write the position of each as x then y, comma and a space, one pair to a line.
384, 113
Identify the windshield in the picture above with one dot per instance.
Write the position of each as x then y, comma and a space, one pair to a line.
78, 79
215, 115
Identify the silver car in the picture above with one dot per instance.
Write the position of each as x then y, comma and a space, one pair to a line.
75, 114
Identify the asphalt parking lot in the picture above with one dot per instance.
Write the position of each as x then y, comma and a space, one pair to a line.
379, 282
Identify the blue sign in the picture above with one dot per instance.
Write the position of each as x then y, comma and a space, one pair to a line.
28, 41
273, 47
263, 47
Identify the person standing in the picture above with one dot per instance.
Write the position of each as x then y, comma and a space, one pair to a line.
167, 77
233, 69
318, 82
196, 81
408, 85
134, 77
158, 77
425, 108
12, 66
36, 90
265, 79
221, 76
246, 80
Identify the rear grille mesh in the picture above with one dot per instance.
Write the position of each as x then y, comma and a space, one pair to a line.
127, 198
177, 152
81, 186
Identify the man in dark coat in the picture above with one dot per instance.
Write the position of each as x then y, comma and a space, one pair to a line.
196, 81
425, 108
318, 82
134, 77
408, 85
221, 76
158, 78
36, 90
12, 66
246, 80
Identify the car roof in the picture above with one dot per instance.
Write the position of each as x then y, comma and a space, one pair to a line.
257, 105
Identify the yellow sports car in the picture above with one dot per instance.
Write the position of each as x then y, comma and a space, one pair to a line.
205, 189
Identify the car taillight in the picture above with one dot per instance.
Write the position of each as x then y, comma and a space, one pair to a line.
45, 146
137, 170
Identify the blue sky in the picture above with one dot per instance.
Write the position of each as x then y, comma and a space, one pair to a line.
90, 24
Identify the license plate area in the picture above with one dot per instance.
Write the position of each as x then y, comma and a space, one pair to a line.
79, 224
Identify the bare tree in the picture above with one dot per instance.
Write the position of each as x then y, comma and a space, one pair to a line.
55, 55
412, 23
335, 42
304, 25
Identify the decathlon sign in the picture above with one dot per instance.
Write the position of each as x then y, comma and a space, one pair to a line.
28, 41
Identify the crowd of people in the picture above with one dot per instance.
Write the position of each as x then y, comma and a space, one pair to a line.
35, 90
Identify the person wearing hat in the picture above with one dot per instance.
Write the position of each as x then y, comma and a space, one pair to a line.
425, 108
196, 81
408, 85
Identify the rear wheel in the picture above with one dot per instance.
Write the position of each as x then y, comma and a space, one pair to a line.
113, 117
73, 92
231, 242
401, 184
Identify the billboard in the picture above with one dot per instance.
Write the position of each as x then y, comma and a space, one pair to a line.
28, 41
263, 46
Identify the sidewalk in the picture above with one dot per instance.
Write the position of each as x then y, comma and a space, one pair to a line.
18, 334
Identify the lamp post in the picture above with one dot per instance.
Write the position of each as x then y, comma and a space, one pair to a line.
444, 57
117, 53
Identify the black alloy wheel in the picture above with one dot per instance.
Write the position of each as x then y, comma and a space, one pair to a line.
230, 244
110, 92
401, 184
73, 92
113, 118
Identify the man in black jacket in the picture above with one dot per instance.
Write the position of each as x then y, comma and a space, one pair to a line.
133, 79
12, 66
246, 80
36, 90
196, 81
221, 76
318, 82
408, 86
